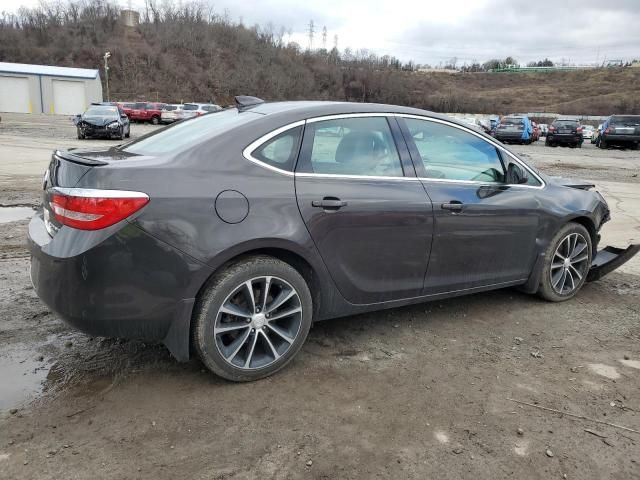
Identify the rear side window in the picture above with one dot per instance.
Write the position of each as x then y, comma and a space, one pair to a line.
190, 106
182, 135
352, 146
280, 151
169, 108
449, 153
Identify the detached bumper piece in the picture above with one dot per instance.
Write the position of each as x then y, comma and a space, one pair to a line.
608, 259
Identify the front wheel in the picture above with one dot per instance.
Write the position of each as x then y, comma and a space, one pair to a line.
567, 263
252, 319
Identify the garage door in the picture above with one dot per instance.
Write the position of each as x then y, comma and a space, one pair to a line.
68, 97
14, 94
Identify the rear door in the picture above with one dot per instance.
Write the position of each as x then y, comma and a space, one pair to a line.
485, 229
369, 218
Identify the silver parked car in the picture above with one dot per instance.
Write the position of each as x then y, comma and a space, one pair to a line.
191, 110
172, 113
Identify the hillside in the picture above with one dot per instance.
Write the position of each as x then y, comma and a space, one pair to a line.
189, 54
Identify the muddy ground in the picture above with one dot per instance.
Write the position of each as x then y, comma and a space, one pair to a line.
427, 391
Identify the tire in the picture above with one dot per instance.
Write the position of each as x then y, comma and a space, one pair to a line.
546, 143
602, 144
80, 135
128, 134
270, 353
155, 120
552, 286
579, 145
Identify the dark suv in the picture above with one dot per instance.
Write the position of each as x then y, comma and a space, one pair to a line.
564, 131
620, 130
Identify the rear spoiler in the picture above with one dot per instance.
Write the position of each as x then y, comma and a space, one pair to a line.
72, 157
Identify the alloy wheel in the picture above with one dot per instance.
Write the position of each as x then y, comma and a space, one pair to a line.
258, 322
569, 264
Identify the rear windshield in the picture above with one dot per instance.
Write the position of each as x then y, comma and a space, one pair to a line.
628, 120
566, 123
169, 108
511, 121
183, 135
190, 106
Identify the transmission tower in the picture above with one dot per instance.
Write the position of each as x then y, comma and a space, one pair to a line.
311, 32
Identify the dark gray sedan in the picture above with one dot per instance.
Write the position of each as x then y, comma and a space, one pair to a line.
229, 234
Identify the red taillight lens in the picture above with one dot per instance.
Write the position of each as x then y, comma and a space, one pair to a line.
88, 209
579, 129
552, 129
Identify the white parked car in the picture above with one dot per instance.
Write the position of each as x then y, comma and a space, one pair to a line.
587, 131
190, 110
171, 113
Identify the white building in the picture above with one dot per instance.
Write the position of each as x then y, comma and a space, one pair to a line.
47, 89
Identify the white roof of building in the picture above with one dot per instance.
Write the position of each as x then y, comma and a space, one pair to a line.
48, 70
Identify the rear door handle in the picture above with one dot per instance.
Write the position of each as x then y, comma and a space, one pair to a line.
329, 203
454, 206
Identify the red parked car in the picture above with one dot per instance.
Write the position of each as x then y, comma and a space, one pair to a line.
146, 112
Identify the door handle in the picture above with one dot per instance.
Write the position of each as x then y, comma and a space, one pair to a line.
329, 203
454, 206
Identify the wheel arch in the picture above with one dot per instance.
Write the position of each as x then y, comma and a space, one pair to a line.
589, 224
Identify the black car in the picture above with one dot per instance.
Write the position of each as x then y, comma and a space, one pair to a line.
105, 121
564, 131
229, 234
620, 130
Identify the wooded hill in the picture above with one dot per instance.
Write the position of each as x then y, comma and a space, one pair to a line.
190, 53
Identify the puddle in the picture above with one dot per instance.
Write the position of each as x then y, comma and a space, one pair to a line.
631, 363
604, 370
12, 214
21, 375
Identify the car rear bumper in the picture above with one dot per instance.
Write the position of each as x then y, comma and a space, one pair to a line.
610, 258
117, 282
509, 137
564, 138
615, 138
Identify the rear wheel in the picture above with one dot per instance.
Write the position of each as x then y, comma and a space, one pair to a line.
155, 120
602, 143
252, 319
567, 262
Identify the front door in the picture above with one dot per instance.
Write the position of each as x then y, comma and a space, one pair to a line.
371, 223
485, 229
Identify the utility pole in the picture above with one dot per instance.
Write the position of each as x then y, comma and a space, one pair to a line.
311, 32
324, 37
106, 73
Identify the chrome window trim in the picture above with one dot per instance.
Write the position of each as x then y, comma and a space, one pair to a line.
98, 193
248, 151
492, 142
253, 146
355, 177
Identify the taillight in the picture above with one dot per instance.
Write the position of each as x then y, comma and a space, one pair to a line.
93, 209
552, 129
579, 130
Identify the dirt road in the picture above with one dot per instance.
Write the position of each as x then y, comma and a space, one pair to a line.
418, 392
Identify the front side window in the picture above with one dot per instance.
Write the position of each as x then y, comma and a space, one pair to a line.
449, 153
280, 151
353, 146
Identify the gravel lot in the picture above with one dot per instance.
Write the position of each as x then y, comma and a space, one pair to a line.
425, 391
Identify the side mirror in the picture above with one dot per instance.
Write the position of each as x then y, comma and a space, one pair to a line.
516, 175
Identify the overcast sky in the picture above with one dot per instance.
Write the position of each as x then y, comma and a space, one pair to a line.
434, 31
